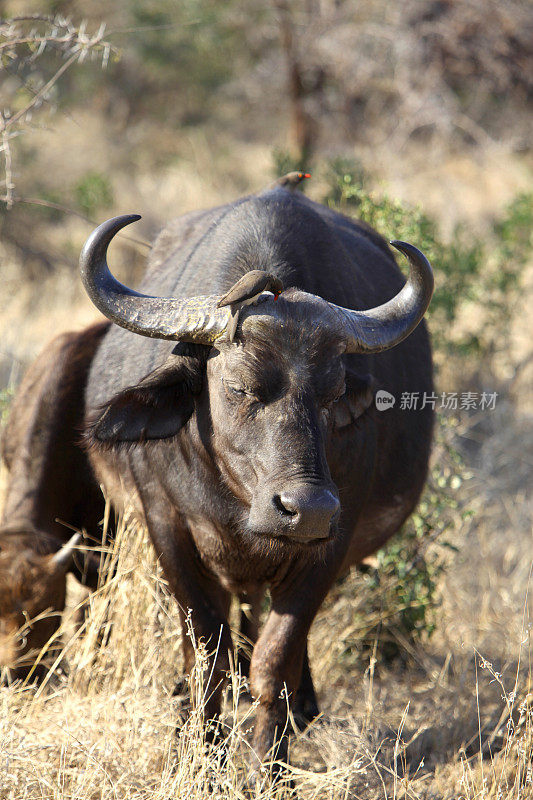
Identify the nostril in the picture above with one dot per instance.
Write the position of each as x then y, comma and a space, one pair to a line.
286, 505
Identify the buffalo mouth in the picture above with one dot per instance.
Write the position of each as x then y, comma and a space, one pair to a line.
292, 541
305, 541
280, 535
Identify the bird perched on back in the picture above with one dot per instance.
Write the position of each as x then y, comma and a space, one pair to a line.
246, 292
289, 181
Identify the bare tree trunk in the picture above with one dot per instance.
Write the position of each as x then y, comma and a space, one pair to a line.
302, 127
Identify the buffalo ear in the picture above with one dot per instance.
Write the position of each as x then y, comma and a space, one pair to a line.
357, 398
156, 408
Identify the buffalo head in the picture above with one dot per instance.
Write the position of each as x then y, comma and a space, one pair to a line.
270, 400
32, 597
277, 384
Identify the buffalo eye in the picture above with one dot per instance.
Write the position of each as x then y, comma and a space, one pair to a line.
330, 401
326, 406
237, 392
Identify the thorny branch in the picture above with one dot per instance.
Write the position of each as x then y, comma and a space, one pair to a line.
23, 40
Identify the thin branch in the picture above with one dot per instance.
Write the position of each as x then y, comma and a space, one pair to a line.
72, 40
34, 201
8, 167
10, 121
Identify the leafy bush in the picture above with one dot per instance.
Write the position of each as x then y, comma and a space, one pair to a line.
390, 604
404, 586
183, 53
6, 396
93, 192
512, 247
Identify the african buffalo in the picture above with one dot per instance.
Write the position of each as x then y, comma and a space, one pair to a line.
240, 424
252, 448
51, 488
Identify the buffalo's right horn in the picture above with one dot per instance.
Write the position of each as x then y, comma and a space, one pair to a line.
385, 326
190, 319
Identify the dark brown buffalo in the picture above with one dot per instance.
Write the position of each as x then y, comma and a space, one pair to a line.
50, 487
252, 447
261, 463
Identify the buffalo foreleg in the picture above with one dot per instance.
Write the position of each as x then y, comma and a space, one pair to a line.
203, 609
305, 708
280, 677
275, 674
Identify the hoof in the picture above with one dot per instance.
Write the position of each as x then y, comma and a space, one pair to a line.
305, 710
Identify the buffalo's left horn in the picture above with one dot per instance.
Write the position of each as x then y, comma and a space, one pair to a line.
190, 319
383, 327
63, 558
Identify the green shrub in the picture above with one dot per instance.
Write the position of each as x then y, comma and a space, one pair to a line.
6, 395
184, 53
405, 585
509, 250
467, 269
93, 192
391, 604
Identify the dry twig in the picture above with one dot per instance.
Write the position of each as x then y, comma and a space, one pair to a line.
23, 41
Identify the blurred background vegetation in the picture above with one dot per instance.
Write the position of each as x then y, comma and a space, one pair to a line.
165, 106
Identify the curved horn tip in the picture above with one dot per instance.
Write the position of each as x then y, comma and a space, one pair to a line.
114, 224
102, 235
64, 554
403, 247
122, 220
418, 260
95, 248
407, 249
